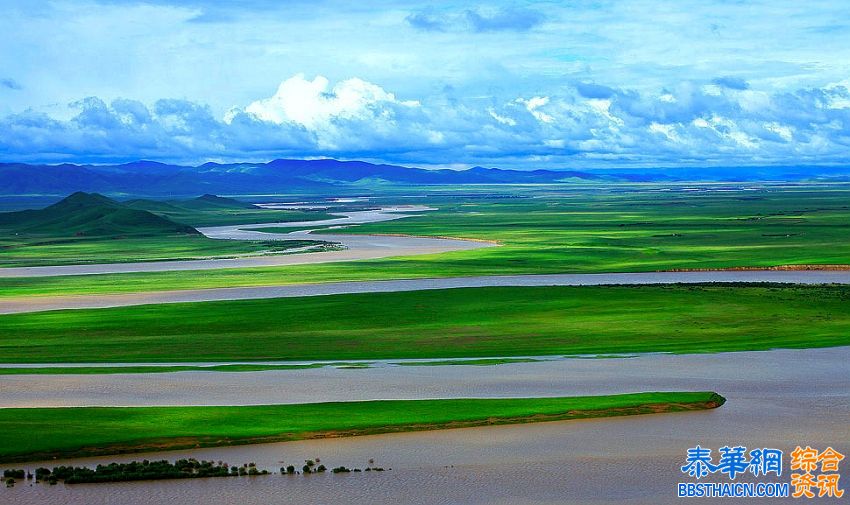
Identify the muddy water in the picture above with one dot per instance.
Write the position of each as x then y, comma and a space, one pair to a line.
820, 372
776, 398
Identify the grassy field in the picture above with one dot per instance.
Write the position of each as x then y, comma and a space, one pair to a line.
479, 322
629, 228
42, 433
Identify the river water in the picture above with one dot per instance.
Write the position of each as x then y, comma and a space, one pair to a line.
776, 399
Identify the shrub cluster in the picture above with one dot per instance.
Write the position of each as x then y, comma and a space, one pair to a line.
156, 470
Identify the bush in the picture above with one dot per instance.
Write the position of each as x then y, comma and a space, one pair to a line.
145, 470
14, 474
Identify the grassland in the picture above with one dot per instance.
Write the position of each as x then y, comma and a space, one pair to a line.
454, 323
558, 231
43, 433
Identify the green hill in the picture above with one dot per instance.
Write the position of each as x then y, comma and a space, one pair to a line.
205, 203
210, 202
90, 215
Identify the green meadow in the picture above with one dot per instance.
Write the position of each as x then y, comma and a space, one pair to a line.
453, 323
41, 433
551, 230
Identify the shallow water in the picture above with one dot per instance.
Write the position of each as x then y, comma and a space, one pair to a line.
786, 373
776, 398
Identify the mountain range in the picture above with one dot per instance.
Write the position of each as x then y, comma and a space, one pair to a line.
149, 178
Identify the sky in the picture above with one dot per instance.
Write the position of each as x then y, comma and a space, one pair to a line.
525, 84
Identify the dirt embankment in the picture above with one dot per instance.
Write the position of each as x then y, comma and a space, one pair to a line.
776, 267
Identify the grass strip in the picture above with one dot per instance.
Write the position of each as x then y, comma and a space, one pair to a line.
453, 323
31, 434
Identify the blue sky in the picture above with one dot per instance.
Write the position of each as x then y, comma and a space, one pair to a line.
444, 84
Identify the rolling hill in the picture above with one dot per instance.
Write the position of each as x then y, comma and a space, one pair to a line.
90, 215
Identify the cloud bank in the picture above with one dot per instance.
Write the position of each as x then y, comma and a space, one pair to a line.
716, 121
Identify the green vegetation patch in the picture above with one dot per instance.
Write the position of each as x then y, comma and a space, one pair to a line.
451, 323
43, 433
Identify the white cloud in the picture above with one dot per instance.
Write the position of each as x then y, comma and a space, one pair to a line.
533, 105
784, 132
318, 108
501, 119
312, 105
667, 130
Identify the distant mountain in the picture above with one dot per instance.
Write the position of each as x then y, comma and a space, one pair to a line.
146, 178
328, 176
89, 214
837, 173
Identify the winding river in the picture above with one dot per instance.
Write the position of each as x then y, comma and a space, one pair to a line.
778, 398
356, 247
